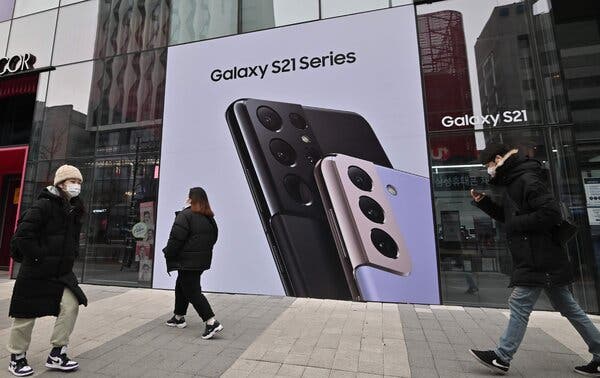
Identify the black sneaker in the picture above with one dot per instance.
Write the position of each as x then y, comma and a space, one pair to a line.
489, 359
18, 365
173, 322
58, 360
211, 330
591, 370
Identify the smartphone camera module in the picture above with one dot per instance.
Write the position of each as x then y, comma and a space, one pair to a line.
371, 209
283, 152
269, 118
360, 178
298, 121
391, 189
384, 243
297, 189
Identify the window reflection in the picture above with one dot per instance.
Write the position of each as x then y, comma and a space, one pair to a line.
6, 9
76, 33
128, 88
25, 7
4, 32
487, 66
195, 20
264, 14
127, 26
65, 131
126, 189
332, 8
35, 35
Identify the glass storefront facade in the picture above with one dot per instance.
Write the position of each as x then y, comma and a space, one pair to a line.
101, 92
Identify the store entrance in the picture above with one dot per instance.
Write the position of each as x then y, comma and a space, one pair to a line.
11, 178
17, 105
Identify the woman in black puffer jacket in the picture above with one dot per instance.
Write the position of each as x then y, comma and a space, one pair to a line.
47, 237
189, 251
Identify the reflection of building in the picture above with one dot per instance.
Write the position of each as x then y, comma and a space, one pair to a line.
64, 134
446, 80
128, 82
580, 64
518, 67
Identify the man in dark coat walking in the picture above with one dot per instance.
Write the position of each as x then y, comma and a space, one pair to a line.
47, 237
531, 215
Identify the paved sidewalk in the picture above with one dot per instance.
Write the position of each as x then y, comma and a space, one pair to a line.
122, 334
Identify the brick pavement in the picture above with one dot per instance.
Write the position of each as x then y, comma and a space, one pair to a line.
122, 334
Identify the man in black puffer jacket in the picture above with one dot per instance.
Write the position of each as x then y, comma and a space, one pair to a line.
48, 239
531, 215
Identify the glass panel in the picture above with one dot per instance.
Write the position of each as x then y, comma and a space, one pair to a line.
4, 31
288, 12
265, 14
125, 192
578, 38
474, 261
64, 131
76, 33
128, 88
68, 2
332, 8
25, 7
396, 3
6, 9
194, 20
34, 35
489, 65
127, 26
495, 63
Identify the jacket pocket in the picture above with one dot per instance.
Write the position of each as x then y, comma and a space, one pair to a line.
521, 251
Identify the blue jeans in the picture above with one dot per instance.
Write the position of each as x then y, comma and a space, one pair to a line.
521, 302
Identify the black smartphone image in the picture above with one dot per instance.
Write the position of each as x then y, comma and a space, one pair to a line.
279, 145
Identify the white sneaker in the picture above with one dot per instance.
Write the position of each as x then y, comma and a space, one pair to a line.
58, 360
18, 365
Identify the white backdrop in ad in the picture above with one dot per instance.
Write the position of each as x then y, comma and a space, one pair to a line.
383, 85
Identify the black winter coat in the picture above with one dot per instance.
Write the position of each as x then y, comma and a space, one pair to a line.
48, 237
531, 215
191, 241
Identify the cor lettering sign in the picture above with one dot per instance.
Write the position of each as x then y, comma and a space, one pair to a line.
16, 63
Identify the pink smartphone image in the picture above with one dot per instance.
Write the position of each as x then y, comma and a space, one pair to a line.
381, 219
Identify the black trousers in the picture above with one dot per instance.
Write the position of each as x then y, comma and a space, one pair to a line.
188, 290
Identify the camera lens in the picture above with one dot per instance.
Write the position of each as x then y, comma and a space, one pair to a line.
297, 189
283, 152
312, 157
371, 209
298, 121
360, 178
269, 118
384, 243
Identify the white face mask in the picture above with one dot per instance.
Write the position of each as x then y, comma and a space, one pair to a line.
491, 171
73, 190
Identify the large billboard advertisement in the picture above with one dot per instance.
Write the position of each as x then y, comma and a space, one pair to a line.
310, 142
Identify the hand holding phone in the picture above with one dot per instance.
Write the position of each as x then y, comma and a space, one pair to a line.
477, 196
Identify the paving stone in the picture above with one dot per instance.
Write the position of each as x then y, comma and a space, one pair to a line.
291, 371
423, 372
313, 372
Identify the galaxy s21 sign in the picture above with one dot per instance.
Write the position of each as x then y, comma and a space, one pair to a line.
281, 66
322, 188
488, 120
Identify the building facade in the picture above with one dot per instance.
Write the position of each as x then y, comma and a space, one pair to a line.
84, 84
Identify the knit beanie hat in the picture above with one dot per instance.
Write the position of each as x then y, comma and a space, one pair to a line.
65, 172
